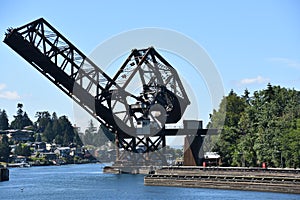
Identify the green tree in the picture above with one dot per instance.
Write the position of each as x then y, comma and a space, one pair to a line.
67, 130
38, 138
23, 150
4, 149
3, 120
289, 152
56, 127
58, 139
77, 139
260, 128
26, 121
231, 106
48, 133
246, 96
272, 120
69, 136
21, 119
17, 122
54, 116
43, 118
235, 106
226, 145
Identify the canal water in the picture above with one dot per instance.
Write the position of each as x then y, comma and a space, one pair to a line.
88, 182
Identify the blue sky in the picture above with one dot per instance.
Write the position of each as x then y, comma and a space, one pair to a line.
250, 42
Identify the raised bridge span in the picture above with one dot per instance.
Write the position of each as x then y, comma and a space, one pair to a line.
133, 118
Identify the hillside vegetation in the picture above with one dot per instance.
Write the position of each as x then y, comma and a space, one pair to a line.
263, 127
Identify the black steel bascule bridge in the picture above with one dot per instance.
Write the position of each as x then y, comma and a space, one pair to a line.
134, 116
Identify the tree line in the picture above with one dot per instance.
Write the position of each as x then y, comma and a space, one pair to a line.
47, 128
262, 128
52, 129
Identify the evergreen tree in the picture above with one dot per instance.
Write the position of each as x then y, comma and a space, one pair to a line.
67, 130
268, 93
77, 139
38, 138
246, 96
261, 128
69, 136
54, 116
26, 121
3, 120
23, 150
4, 149
58, 139
48, 133
56, 127
21, 119
17, 122
231, 106
43, 118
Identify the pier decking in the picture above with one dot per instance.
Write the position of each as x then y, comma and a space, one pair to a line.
256, 179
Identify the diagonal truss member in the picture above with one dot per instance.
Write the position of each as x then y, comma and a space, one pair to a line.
114, 102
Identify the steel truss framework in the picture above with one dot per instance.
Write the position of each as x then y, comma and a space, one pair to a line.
111, 101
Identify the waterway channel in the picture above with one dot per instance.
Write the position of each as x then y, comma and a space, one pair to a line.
87, 182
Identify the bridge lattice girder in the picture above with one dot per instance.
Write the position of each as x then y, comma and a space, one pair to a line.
81, 79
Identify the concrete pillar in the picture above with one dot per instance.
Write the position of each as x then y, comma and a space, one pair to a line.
192, 155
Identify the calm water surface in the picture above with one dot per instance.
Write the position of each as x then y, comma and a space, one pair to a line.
88, 182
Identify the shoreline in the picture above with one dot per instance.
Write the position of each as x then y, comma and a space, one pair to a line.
45, 165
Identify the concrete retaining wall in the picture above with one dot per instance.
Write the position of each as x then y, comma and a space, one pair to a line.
256, 180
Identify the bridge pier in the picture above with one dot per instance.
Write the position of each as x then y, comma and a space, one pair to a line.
193, 153
4, 174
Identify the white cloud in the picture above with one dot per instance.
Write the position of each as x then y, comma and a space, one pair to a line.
10, 95
2, 86
286, 62
256, 80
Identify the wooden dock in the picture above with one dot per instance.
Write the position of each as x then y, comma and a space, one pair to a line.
117, 169
255, 179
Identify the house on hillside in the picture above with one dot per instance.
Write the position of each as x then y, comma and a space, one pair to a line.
20, 135
63, 151
51, 147
39, 146
49, 155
